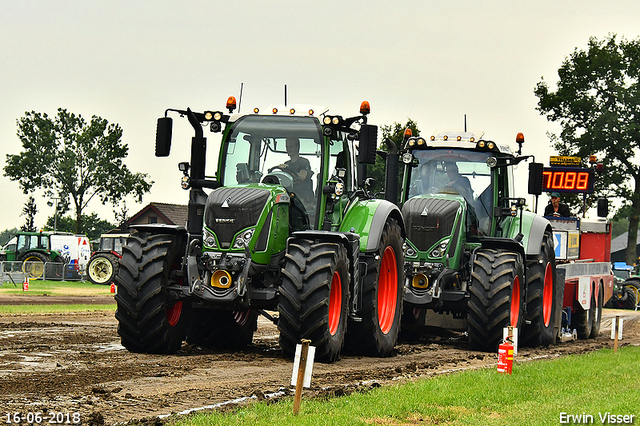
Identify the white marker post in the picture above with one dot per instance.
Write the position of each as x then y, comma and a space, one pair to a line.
302, 369
616, 331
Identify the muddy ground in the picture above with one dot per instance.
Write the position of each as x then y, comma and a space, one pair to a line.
68, 363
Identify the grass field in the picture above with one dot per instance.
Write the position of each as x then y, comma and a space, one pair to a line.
538, 393
56, 288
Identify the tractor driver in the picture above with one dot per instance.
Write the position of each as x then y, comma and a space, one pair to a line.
458, 182
300, 169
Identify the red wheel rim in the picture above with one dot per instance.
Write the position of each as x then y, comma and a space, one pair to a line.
547, 295
335, 303
173, 313
387, 290
515, 302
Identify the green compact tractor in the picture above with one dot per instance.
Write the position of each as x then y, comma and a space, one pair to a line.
288, 225
473, 254
33, 249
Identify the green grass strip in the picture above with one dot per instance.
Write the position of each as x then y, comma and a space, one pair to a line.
46, 309
56, 288
537, 393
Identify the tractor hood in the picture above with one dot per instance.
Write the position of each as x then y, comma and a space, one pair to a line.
430, 218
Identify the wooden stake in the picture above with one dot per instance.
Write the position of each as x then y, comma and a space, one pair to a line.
301, 370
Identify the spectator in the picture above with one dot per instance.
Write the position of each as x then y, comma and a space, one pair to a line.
556, 208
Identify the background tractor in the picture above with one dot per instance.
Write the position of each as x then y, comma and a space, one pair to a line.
476, 260
294, 232
104, 262
34, 250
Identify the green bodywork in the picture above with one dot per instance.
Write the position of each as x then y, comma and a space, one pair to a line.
31, 242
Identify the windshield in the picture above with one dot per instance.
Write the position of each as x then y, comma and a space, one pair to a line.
287, 147
455, 171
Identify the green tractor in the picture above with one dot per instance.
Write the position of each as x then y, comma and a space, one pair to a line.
33, 249
289, 225
475, 259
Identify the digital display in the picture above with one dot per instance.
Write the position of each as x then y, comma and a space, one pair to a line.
567, 179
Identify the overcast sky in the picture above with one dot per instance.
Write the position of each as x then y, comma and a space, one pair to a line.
431, 61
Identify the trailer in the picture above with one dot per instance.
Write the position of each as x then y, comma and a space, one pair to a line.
583, 254
582, 250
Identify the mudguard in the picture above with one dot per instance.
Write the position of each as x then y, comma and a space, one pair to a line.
367, 218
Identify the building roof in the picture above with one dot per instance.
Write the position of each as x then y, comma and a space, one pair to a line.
171, 214
620, 242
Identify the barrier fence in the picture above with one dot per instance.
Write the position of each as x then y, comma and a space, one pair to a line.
16, 272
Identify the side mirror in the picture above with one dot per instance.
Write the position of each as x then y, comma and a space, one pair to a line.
368, 144
603, 207
535, 178
163, 136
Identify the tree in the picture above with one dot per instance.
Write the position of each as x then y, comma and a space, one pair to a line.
29, 210
70, 158
92, 225
6, 235
597, 103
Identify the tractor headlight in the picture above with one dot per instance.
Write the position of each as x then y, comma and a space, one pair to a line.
209, 239
243, 239
440, 249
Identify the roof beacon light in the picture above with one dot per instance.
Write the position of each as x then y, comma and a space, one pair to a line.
407, 133
231, 104
593, 159
292, 111
274, 110
256, 110
365, 108
520, 138
311, 112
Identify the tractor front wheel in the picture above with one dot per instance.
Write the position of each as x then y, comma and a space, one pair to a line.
542, 297
102, 268
382, 294
314, 298
149, 319
496, 297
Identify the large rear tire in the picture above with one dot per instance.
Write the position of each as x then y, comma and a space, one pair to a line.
542, 296
33, 264
496, 297
149, 320
221, 329
314, 298
382, 296
102, 268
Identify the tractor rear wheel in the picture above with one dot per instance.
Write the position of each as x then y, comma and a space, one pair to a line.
33, 264
314, 298
149, 319
496, 297
382, 294
221, 329
542, 296
102, 268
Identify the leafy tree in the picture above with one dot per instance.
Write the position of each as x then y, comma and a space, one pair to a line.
6, 235
29, 210
73, 159
92, 225
597, 103
394, 132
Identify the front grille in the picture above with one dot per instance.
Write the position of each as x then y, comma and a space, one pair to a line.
424, 230
229, 210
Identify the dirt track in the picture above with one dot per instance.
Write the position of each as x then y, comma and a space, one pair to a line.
74, 363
